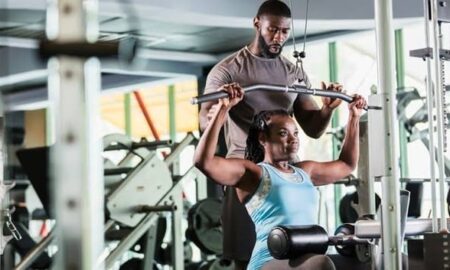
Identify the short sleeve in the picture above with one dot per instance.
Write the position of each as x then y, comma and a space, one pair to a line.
217, 77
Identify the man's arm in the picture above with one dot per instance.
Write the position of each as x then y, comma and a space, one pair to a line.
327, 172
312, 119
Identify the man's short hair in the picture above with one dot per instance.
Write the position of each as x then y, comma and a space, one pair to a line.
275, 8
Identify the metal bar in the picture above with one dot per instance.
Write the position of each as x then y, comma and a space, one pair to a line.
390, 183
400, 78
177, 232
149, 209
74, 87
49, 126
298, 89
127, 113
35, 252
179, 148
116, 171
172, 115
438, 82
136, 145
430, 105
413, 227
333, 76
147, 117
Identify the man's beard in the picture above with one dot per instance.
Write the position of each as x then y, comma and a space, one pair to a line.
265, 48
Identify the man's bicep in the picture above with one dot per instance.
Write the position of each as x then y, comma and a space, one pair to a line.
217, 77
305, 103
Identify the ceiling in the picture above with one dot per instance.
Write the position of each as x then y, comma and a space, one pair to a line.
179, 39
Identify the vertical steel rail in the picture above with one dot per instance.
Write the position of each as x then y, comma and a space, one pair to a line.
127, 113
333, 76
438, 81
172, 113
76, 167
400, 78
430, 110
390, 181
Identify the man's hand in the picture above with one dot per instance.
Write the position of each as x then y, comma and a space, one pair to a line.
357, 105
331, 103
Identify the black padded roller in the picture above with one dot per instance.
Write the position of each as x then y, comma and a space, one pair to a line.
286, 242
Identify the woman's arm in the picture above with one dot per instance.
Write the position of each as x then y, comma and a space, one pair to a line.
328, 172
229, 172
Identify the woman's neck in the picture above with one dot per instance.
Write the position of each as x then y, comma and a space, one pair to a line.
282, 165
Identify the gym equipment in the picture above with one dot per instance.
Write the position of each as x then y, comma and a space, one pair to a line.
286, 242
204, 226
169, 195
298, 89
436, 247
140, 188
217, 264
436, 12
348, 212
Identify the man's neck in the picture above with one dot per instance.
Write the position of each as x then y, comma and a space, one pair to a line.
254, 48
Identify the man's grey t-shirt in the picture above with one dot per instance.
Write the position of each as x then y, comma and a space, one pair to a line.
247, 69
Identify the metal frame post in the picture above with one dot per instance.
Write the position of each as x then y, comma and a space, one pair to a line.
430, 111
172, 115
390, 179
438, 84
333, 76
127, 113
400, 78
76, 167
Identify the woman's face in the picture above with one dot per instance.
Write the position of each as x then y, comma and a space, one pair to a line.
282, 142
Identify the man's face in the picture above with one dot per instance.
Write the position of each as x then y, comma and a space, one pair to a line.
273, 32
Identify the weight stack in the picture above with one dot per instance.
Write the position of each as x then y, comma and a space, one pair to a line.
437, 251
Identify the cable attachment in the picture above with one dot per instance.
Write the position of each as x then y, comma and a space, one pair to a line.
298, 54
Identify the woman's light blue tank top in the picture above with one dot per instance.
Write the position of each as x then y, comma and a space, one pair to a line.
280, 199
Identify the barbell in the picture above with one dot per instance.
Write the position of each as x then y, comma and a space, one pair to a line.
298, 89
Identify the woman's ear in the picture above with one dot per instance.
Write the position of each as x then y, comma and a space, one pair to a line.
262, 139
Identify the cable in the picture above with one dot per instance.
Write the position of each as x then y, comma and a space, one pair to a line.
292, 23
299, 55
305, 32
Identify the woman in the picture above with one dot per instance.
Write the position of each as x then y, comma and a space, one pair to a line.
275, 192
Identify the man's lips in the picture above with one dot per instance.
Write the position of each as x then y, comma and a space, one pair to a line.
275, 47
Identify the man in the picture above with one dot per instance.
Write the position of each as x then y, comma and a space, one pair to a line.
260, 63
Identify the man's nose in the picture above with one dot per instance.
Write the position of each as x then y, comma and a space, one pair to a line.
279, 37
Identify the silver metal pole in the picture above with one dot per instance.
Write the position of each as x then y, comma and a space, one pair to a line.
76, 167
438, 82
390, 181
430, 98
365, 189
33, 254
